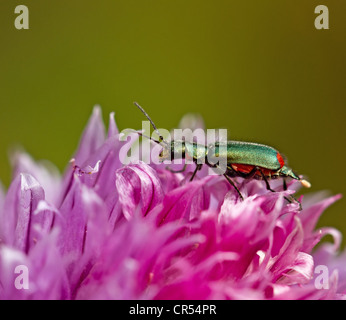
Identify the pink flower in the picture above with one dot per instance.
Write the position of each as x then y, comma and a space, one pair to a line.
108, 231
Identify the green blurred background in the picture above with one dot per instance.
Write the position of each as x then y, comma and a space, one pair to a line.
258, 68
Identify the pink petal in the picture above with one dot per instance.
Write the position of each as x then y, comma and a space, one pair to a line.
21, 201
10, 259
48, 272
290, 247
301, 270
42, 221
103, 181
44, 172
78, 216
44, 268
2, 199
309, 217
112, 127
92, 138
169, 180
138, 186
185, 202
135, 251
327, 255
193, 288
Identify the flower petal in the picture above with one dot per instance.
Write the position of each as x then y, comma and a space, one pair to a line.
138, 185
21, 201
84, 228
184, 203
92, 138
42, 272
48, 271
293, 239
79, 207
11, 261
42, 220
2, 199
102, 180
112, 127
300, 271
131, 259
44, 172
309, 217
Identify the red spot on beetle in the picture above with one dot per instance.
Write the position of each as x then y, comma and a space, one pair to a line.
246, 168
280, 159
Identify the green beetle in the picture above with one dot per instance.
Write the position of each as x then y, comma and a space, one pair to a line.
243, 159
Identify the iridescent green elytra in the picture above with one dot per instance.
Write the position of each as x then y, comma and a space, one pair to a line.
243, 159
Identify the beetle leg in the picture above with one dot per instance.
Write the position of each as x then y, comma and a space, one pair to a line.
177, 171
268, 185
231, 172
266, 180
234, 186
227, 174
291, 199
285, 185
198, 167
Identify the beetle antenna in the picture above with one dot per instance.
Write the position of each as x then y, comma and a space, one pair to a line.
144, 135
152, 123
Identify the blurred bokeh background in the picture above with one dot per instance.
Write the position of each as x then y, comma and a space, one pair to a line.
258, 68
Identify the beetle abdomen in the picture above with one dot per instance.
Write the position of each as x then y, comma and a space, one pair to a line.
252, 154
